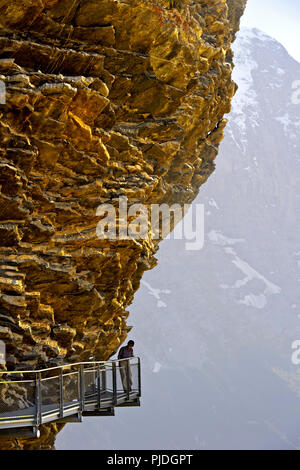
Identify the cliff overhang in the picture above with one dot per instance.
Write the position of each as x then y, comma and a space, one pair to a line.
103, 98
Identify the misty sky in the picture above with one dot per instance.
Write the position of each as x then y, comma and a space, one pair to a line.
278, 18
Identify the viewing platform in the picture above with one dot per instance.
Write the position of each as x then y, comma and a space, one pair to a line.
66, 394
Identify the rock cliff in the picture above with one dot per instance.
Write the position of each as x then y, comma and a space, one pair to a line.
103, 98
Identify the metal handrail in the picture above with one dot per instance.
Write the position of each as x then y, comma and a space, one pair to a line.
33, 371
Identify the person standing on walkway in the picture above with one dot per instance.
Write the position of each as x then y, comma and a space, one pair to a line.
124, 353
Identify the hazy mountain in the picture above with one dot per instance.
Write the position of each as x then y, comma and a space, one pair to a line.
214, 327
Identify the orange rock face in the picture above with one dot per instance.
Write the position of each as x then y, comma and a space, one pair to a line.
103, 99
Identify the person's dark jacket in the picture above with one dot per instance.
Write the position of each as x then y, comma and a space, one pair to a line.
125, 352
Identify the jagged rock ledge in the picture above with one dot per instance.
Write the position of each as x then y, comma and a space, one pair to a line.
104, 98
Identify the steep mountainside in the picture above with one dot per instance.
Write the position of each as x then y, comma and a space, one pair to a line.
219, 322
104, 98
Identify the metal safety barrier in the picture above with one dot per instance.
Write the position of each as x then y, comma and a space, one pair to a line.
66, 393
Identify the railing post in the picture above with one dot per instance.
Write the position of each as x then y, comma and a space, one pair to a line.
38, 399
127, 378
139, 377
98, 388
78, 386
61, 394
103, 373
81, 380
114, 377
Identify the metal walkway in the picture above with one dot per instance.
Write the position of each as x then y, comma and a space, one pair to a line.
66, 394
